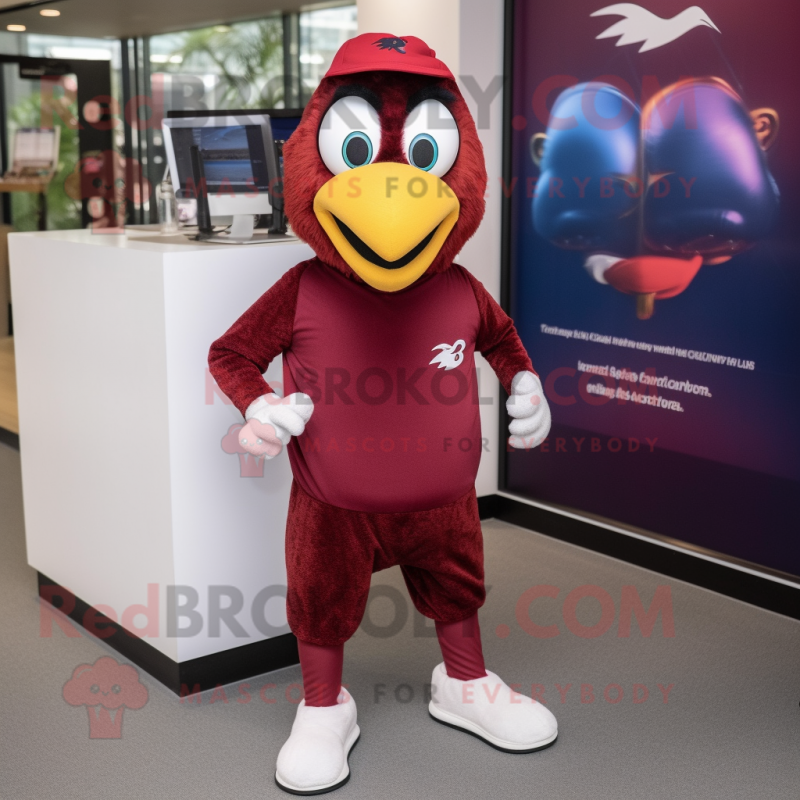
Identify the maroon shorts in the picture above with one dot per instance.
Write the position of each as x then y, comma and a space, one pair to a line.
332, 552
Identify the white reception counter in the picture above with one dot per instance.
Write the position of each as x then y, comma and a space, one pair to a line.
135, 497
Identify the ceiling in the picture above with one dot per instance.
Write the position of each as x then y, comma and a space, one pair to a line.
126, 18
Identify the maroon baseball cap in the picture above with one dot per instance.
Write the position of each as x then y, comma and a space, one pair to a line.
383, 51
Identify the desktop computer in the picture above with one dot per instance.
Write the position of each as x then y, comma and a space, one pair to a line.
239, 170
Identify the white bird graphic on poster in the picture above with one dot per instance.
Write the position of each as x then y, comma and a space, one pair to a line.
641, 25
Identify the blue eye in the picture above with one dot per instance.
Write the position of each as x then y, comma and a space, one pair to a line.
423, 151
357, 149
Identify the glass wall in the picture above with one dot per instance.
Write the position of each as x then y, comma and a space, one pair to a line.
273, 62
322, 33
223, 67
46, 102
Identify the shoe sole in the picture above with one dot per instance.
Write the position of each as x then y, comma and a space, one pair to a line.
465, 726
331, 786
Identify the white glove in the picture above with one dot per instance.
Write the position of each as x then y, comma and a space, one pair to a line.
272, 421
531, 414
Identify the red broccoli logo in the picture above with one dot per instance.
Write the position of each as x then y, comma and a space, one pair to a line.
107, 180
249, 466
106, 688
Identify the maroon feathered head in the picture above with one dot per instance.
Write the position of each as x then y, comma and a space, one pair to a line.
385, 177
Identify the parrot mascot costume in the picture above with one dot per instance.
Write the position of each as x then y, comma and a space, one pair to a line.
385, 179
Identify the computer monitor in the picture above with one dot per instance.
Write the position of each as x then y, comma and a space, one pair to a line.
284, 122
241, 167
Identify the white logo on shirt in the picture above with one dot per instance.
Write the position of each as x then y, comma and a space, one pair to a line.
451, 356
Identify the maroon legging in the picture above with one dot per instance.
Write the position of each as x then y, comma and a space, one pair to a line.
322, 672
460, 643
461, 648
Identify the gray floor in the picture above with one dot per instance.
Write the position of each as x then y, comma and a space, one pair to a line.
730, 728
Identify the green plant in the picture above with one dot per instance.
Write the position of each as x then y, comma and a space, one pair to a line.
248, 58
62, 211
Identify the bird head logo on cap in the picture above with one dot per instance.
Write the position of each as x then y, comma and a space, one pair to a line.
383, 51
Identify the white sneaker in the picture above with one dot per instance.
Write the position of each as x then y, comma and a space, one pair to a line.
489, 709
314, 758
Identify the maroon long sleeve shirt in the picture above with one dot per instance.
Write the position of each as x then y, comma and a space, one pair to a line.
390, 431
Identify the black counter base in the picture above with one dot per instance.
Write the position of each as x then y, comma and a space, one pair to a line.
658, 553
644, 550
185, 677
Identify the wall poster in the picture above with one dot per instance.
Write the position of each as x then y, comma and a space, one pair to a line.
653, 233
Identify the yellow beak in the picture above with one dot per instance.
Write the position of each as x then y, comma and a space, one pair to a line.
387, 221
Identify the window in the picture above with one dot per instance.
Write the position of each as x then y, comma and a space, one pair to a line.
45, 102
273, 62
322, 33
222, 67
238, 66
